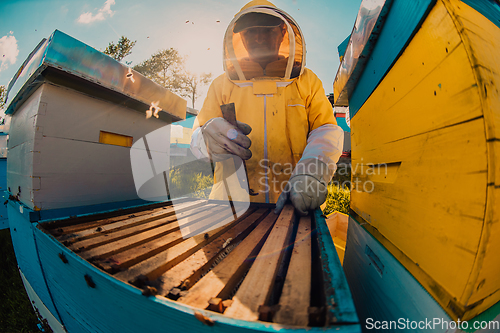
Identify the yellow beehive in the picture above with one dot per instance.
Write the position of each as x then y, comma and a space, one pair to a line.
426, 159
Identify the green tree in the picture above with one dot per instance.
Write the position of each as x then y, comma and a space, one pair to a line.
165, 68
3, 96
121, 49
190, 85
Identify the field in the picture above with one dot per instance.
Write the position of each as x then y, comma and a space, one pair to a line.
339, 190
16, 313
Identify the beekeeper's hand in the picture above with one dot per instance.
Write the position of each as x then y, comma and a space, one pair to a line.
307, 186
223, 139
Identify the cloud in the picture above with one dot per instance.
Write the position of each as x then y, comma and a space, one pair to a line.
8, 51
102, 13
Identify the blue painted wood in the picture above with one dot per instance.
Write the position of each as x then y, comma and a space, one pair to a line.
31, 68
490, 315
343, 124
27, 213
114, 306
64, 213
382, 289
70, 55
340, 306
489, 8
188, 122
343, 46
21, 231
4, 220
403, 20
369, 22
180, 145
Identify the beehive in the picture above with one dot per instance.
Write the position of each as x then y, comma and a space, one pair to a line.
426, 152
248, 263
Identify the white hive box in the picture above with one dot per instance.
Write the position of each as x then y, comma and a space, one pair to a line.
75, 114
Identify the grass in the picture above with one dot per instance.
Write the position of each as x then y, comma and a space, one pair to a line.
339, 193
16, 312
338, 199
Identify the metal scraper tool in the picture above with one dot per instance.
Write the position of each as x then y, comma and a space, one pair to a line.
229, 114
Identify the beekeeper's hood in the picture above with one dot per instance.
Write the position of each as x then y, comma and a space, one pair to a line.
238, 62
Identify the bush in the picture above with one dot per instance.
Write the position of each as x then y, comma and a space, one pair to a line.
342, 176
189, 183
339, 195
338, 199
203, 186
16, 312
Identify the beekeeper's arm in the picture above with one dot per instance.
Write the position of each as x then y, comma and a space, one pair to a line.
213, 136
307, 186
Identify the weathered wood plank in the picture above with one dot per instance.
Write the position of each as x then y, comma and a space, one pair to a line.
460, 216
132, 240
78, 226
331, 222
220, 281
482, 40
133, 256
129, 221
429, 143
116, 307
190, 270
295, 297
258, 284
116, 235
155, 266
90, 243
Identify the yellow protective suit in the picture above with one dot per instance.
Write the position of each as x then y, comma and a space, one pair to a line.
282, 104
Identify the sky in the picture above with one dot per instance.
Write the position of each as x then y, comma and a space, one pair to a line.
194, 27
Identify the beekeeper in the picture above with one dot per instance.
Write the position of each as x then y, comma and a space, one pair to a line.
286, 132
